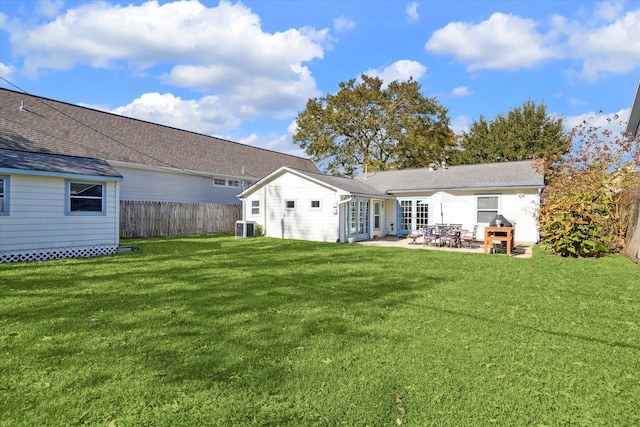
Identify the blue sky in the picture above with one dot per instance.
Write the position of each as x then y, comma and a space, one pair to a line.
243, 70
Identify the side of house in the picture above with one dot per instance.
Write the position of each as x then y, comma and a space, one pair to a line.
54, 206
293, 204
467, 194
157, 162
303, 205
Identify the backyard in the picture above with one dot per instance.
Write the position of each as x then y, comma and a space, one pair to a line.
221, 331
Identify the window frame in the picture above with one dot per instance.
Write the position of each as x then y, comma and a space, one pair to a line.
219, 182
377, 215
255, 204
287, 201
4, 195
315, 208
497, 209
68, 197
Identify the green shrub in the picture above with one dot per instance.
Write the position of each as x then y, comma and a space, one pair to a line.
579, 224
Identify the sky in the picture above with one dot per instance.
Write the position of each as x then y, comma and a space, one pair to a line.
242, 71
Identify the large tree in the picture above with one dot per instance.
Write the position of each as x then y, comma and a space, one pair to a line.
366, 126
524, 133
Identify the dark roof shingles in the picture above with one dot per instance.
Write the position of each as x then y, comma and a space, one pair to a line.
51, 126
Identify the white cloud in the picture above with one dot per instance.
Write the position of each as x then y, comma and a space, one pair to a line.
221, 50
613, 122
342, 24
504, 41
49, 8
412, 12
461, 91
400, 70
281, 144
460, 124
6, 71
206, 115
613, 47
607, 41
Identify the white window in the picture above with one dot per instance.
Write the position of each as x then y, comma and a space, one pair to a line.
233, 183
315, 205
219, 181
255, 207
289, 205
487, 208
376, 215
4, 195
85, 197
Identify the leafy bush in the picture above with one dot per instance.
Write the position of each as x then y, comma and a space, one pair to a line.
579, 215
579, 224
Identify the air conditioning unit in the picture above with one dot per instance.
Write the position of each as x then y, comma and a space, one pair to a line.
245, 229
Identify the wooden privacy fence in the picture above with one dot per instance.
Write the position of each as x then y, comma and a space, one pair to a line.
629, 209
170, 219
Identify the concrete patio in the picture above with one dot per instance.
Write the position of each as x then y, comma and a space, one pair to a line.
520, 250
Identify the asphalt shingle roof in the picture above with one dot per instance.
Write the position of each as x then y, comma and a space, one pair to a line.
23, 160
347, 184
50, 126
487, 175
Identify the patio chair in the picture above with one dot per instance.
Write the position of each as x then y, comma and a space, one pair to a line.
430, 236
446, 236
470, 238
414, 234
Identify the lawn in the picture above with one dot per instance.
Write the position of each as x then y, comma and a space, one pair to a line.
219, 331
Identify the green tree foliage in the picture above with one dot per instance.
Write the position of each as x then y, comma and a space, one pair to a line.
366, 126
579, 216
524, 133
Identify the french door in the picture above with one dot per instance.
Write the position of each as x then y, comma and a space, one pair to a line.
358, 219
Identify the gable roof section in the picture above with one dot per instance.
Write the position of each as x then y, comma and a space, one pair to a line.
49, 126
339, 184
55, 164
480, 176
633, 124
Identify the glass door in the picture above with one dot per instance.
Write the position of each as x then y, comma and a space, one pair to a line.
358, 219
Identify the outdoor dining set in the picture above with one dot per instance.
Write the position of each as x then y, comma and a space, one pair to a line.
452, 235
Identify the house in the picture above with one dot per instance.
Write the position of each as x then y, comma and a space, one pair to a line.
157, 163
300, 205
54, 206
295, 204
54, 154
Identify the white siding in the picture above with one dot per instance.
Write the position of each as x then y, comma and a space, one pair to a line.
303, 223
171, 186
517, 206
37, 217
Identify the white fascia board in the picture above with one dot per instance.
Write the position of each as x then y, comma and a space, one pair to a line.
633, 124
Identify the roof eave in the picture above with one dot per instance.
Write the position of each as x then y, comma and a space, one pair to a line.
633, 124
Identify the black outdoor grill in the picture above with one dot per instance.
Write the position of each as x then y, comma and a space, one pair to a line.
504, 222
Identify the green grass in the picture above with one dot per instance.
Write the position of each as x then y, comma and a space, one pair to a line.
220, 331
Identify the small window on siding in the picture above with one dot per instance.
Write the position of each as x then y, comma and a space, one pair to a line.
4, 198
255, 207
218, 181
86, 197
315, 205
487, 208
289, 205
234, 183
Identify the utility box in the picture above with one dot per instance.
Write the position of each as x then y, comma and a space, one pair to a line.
245, 229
